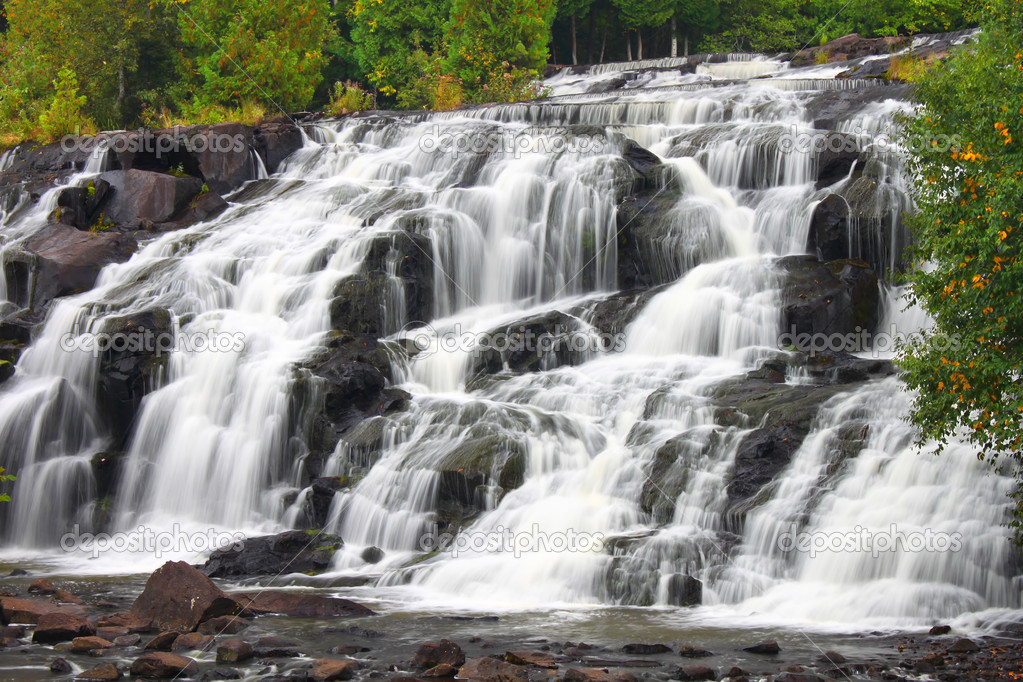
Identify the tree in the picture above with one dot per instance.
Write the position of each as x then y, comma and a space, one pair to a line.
115, 48
571, 9
969, 230
267, 51
697, 17
387, 33
640, 13
496, 47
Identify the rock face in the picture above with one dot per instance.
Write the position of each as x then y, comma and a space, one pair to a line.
179, 597
272, 555
839, 297
139, 198
60, 260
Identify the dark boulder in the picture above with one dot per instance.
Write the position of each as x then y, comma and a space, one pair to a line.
132, 364
276, 140
164, 665
290, 552
79, 206
430, 654
829, 229
838, 297
299, 605
61, 627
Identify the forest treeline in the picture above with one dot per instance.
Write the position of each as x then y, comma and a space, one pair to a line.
72, 65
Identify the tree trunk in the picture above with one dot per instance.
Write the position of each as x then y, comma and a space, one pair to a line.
575, 57
639, 44
674, 39
603, 44
628, 46
685, 45
120, 93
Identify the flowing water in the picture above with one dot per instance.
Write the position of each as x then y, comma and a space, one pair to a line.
516, 231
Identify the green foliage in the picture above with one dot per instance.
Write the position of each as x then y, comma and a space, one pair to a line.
497, 48
265, 51
64, 115
348, 98
5, 478
968, 230
637, 13
387, 33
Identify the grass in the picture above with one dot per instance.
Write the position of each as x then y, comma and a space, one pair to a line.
909, 68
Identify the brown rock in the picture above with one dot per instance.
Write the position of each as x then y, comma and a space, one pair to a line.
325, 669
696, 671
442, 670
108, 671
65, 597
127, 640
299, 604
193, 641
162, 664
234, 651
61, 627
163, 641
42, 586
179, 597
963, 646
645, 649
223, 625
124, 619
535, 658
60, 666
14, 631
111, 633
492, 670
686, 651
81, 645
18, 610
940, 630
430, 655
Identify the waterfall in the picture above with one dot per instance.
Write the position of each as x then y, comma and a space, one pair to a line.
623, 445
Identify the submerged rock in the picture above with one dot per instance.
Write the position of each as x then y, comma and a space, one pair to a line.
271, 555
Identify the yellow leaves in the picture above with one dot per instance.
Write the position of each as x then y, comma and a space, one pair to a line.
941, 385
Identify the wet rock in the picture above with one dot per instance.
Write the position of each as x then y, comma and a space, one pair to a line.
164, 665
596, 675
834, 298
128, 373
124, 619
695, 672
646, 649
492, 670
61, 627
127, 640
163, 641
372, 555
684, 590
60, 260
829, 229
832, 657
940, 630
234, 651
686, 651
537, 659
205, 206
271, 555
797, 677
768, 647
442, 670
325, 669
60, 666
107, 671
179, 597
223, 625
276, 140
963, 646
81, 645
140, 198
65, 597
79, 206
42, 586
430, 655
299, 605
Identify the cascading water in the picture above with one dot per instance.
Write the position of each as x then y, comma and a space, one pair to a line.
628, 441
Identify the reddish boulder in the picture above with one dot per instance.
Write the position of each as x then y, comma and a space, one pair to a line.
179, 597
